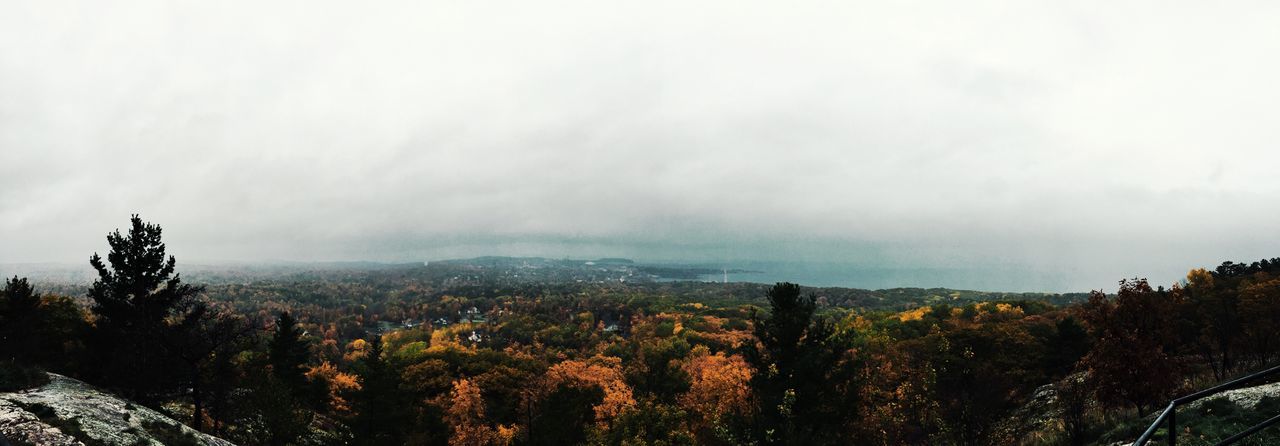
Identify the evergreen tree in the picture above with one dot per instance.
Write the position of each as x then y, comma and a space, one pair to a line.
792, 362
38, 329
275, 416
288, 353
19, 308
207, 341
380, 413
563, 416
1071, 342
133, 299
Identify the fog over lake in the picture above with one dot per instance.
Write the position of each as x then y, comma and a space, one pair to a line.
991, 145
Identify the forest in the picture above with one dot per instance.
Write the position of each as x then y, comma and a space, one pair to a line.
457, 354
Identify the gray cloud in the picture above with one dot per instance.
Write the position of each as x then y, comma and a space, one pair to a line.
1094, 139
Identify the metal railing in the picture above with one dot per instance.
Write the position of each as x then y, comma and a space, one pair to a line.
1171, 411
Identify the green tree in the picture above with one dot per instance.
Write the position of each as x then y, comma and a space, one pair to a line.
792, 359
207, 343
1070, 341
288, 352
648, 423
276, 417
657, 371
380, 412
979, 376
133, 299
564, 416
1214, 304
19, 316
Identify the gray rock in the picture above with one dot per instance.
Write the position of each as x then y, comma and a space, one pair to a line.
66, 411
1247, 397
18, 425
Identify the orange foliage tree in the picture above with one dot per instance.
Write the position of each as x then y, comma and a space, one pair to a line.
466, 417
719, 387
340, 386
604, 372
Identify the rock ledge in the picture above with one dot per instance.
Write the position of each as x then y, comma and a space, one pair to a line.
67, 412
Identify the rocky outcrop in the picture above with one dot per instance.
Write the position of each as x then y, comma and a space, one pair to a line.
66, 412
1246, 398
21, 427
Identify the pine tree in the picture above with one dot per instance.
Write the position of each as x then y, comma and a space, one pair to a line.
379, 411
133, 299
206, 341
288, 353
19, 305
792, 362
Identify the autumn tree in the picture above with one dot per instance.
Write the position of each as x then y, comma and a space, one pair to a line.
1215, 311
134, 299
466, 416
573, 396
333, 388
1131, 359
1229, 314
719, 396
1260, 317
1074, 401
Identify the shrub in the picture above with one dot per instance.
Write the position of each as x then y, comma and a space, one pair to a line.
15, 376
170, 434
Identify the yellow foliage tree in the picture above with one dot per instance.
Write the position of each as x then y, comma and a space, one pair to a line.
356, 350
466, 416
1199, 279
914, 314
718, 386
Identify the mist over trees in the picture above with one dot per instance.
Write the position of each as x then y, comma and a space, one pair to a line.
405, 356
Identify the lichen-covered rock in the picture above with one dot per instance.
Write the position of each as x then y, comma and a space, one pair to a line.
21, 427
69, 412
1034, 417
1247, 397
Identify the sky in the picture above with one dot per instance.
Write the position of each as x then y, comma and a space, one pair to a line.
1078, 142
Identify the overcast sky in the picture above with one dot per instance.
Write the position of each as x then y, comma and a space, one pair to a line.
1097, 140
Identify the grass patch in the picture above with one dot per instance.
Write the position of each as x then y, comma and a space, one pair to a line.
1219, 418
1208, 423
